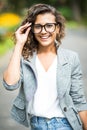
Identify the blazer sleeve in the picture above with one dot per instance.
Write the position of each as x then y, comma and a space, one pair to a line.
16, 85
77, 91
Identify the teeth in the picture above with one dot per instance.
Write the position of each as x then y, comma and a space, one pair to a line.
44, 37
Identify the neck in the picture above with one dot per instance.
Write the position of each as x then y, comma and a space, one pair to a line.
47, 49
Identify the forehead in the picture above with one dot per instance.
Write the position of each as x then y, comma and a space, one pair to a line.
45, 18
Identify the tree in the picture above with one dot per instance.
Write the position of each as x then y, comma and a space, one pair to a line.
75, 4
77, 7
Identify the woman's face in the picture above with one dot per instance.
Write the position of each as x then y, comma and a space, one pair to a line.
47, 35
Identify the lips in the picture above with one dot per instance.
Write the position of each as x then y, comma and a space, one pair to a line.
44, 37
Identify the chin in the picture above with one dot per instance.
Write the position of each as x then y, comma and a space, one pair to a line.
45, 44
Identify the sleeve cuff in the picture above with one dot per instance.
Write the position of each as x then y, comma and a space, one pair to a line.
11, 87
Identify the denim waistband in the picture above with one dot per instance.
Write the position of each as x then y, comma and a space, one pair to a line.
55, 123
37, 118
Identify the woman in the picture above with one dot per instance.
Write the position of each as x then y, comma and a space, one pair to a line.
50, 79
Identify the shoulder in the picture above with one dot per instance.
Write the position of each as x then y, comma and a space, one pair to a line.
68, 52
68, 56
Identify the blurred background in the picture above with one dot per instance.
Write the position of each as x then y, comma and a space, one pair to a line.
11, 14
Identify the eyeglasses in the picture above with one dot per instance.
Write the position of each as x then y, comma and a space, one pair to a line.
49, 27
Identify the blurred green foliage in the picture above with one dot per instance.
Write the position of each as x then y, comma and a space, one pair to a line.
67, 12
6, 45
75, 12
8, 25
18, 5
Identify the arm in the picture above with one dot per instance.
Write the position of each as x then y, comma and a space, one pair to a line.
83, 116
12, 73
77, 92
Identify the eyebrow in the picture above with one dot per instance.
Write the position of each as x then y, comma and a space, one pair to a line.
44, 24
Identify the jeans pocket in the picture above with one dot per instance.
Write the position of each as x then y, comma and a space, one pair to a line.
38, 123
34, 126
63, 122
33, 123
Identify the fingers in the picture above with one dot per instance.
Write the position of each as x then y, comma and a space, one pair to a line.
24, 29
27, 31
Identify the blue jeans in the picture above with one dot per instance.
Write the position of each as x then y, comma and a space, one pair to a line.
40, 123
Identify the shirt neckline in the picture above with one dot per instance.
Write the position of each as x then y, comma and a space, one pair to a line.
42, 67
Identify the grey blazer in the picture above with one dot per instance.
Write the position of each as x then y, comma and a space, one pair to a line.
69, 86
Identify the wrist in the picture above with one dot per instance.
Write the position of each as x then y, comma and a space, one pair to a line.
18, 50
19, 46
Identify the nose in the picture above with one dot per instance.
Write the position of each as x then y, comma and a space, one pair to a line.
43, 30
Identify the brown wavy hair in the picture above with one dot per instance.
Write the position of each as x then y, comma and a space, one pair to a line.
32, 44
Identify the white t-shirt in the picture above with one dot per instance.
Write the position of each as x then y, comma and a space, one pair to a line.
45, 102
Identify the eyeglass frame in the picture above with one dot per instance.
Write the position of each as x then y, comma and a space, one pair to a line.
43, 26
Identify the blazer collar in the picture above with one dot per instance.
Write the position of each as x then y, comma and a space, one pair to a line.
62, 60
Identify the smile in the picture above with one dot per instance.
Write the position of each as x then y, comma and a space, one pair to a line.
44, 37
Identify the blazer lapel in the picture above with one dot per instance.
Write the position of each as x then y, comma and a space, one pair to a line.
30, 77
31, 62
63, 73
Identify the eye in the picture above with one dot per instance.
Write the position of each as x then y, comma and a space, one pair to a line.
37, 26
49, 25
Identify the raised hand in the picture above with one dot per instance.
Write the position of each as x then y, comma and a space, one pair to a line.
22, 34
